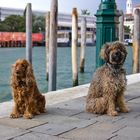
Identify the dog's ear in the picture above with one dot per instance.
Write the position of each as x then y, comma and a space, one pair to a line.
13, 80
13, 67
29, 75
105, 52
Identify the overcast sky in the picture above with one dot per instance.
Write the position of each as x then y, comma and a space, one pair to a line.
64, 5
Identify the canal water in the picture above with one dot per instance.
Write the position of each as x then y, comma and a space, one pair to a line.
64, 73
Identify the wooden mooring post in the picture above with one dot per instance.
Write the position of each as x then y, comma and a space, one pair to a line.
136, 41
74, 46
83, 44
53, 46
29, 32
121, 26
47, 43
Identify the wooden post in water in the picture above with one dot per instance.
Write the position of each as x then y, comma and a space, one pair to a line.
74, 46
136, 41
29, 32
53, 45
83, 44
121, 27
47, 43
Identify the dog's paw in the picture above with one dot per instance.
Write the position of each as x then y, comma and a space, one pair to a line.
113, 113
38, 113
14, 115
28, 116
124, 110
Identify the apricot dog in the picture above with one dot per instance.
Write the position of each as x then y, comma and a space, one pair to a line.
27, 98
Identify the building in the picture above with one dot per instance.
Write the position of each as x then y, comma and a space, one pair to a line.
129, 7
5, 12
64, 24
129, 17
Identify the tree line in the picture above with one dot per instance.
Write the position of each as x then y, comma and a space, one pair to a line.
16, 23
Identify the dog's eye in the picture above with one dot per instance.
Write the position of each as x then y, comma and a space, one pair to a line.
23, 65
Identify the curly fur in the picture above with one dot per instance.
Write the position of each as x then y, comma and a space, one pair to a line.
27, 98
106, 91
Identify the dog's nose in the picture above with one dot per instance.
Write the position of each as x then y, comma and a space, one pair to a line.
17, 72
117, 54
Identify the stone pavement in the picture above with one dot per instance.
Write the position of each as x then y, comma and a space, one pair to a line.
69, 121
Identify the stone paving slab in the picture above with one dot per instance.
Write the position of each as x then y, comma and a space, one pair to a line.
10, 132
133, 132
20, 123
63, 111
53, 129
137, 100
124, 138
53, 118
75, 104
97, 131
60, 120
37, 136
133, 122
85, 116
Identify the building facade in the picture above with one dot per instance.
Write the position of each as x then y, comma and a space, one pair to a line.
129, 17
64, 24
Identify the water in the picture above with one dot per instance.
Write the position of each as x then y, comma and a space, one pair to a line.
8, 56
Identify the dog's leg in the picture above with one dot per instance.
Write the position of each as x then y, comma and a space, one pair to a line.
15, 113
27, 114
121, 104
111, 107
96, 105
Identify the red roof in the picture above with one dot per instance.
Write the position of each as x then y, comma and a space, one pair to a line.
19, 36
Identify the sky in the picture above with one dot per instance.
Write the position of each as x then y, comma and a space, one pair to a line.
64, 6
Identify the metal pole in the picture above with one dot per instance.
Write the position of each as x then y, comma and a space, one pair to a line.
74, 46
136, 41
53, 45
83, 44
47, 43
29, 33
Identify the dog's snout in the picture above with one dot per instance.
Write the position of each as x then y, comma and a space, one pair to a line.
118, 53
17, 72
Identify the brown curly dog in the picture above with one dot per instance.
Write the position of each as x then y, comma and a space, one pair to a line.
27, 98
106, 91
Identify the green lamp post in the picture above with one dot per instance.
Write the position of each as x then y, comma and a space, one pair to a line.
106, 26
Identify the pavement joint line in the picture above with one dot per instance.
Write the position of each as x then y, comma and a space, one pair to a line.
77, 128
89, 124
137, 116
36, 126
76, 114
19, 135
112, 137
133, 98
119, 129
66, 131
118, 120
